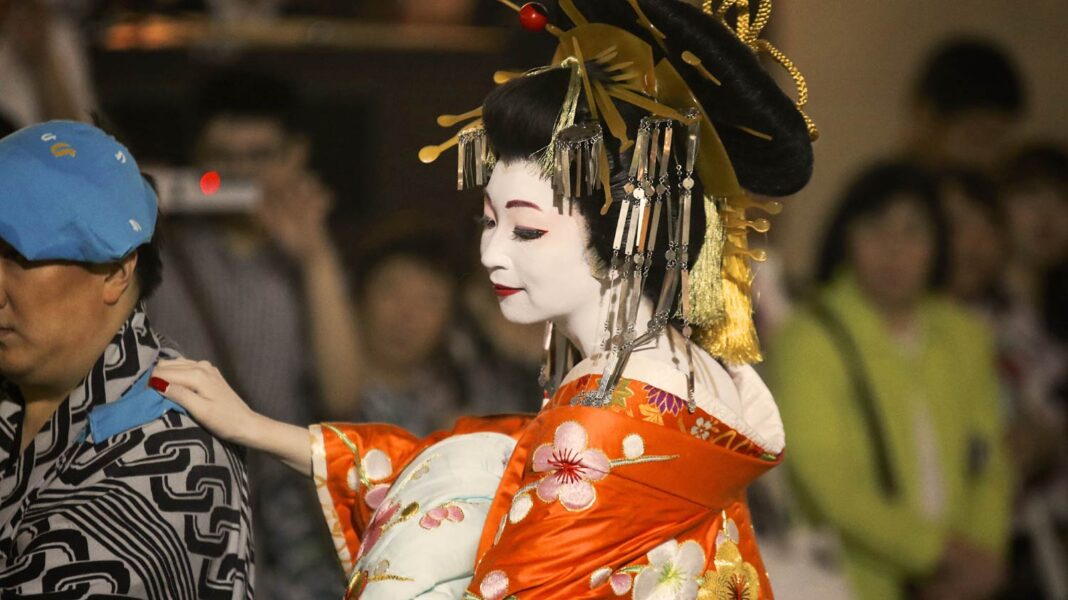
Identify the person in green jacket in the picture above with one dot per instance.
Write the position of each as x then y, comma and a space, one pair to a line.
889, 396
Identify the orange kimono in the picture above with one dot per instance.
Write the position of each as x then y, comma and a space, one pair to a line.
641, 499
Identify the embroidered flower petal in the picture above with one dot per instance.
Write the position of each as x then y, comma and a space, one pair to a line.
549, 488
645, 583
687, 590
494, 585
542, 458
595, 464
579, 495
376, 495
438, 512
377, 465
621, 583
352, 479
690, 558
732, 530
663, 554
429, 522
599, 577
520, 508
456, 514
570, 436
633, 446
500, 530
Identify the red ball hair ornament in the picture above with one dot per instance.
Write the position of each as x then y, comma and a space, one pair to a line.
533, 17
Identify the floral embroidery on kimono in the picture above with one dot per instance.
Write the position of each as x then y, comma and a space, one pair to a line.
590, 502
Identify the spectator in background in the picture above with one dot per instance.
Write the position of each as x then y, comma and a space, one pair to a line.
1034, 364
44, 68
263, 296
406, 292
426, 364
966, 100
890, 397
977, 239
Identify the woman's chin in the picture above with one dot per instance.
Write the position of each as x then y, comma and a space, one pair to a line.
521, 315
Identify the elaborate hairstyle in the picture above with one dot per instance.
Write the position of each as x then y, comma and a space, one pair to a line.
663, 110
970, 73
874, 191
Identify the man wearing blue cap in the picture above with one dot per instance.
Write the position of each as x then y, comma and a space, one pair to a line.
105, 486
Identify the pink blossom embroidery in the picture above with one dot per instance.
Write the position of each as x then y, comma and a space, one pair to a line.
377, 525
436, 516
376, 495
571, 466
621, 583
494, 585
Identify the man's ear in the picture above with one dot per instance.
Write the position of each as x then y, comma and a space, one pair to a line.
120, 277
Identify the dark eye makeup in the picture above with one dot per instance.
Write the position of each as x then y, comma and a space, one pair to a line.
527, 234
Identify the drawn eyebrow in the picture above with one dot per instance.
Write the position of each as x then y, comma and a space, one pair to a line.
522, 204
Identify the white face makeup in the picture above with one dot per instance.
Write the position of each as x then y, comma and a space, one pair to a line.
536, 256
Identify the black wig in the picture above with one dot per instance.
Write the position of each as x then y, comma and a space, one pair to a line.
520, 115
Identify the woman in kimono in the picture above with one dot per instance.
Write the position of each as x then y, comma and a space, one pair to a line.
616, 204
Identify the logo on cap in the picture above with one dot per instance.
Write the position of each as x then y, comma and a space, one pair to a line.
59, 149
63, 149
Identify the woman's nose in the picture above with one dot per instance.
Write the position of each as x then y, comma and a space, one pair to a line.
492, 251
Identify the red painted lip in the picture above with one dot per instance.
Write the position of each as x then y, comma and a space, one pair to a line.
504, 291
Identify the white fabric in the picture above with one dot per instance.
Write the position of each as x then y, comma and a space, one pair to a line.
735, 395
437, 562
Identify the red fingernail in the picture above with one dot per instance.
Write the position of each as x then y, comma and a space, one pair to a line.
160, 385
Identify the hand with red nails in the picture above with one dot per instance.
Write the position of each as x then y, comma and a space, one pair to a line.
200, 388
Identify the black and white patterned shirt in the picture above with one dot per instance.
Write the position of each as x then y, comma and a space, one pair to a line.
146, 507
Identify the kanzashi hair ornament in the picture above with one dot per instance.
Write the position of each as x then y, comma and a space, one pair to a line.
475, 158
707, 294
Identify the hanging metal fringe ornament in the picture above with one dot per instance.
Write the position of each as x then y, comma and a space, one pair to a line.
687, 183
577, 168
474, 158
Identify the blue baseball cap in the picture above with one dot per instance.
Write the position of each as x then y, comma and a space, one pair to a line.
69, 191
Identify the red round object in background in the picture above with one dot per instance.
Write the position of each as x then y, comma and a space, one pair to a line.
533, 17
209, 183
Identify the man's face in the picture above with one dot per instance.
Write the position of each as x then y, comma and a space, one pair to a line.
244, 147
49, 312
974, 139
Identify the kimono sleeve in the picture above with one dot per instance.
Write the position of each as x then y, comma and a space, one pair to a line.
354, 465
609, 505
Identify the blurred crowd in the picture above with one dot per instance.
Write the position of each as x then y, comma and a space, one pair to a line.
922, 374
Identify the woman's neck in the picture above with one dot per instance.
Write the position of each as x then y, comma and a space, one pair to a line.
585, 326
